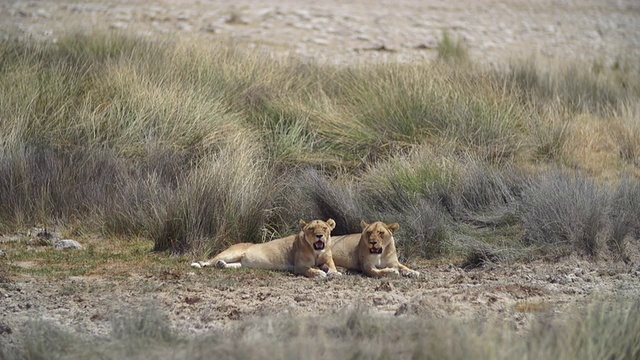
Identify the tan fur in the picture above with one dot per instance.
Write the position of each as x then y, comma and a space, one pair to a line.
294, 253
354, 252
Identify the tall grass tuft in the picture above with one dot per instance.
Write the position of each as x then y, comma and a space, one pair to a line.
222, 201
425, 230
452, 50
43, 185
626, 130
563, 212
485, 187
579, 88
394, 106
625, 216
309, 194
143, 197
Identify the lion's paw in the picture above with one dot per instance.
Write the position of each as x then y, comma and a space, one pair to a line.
389, 272
196, 265
319, 274
412, 274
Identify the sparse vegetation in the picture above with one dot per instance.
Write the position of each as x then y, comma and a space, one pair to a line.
605, 331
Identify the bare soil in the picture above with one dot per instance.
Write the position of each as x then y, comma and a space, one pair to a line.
359, 30
198, 300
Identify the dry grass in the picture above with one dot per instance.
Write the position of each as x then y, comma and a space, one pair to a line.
606, 331
200, 147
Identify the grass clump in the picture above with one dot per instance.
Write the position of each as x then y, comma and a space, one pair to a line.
223, 201
625, 217
452, 50
311, 194
565, 212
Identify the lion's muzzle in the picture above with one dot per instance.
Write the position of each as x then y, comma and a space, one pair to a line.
375, 250
318, 245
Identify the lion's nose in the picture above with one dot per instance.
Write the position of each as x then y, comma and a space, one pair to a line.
319, 236
373, 242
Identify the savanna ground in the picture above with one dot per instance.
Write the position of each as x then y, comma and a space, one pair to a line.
503, 136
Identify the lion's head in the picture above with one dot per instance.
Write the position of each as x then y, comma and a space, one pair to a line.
318, 233
378, 235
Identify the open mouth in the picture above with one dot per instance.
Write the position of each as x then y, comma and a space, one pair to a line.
318, 245
375, 250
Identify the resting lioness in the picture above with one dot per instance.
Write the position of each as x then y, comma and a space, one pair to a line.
372, 252
308, 253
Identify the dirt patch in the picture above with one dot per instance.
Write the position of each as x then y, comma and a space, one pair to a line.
211, 299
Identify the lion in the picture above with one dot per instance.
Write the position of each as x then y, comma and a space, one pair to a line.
308, 253
372, 252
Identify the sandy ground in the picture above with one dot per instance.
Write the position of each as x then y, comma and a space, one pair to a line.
198, 300
339, 32
359, 30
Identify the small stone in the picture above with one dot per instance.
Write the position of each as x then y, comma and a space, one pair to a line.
68, 244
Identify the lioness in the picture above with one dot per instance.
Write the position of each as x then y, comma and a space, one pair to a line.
308, 253
373, 251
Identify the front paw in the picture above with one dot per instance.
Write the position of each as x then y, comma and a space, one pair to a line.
316, 273
334, 273
411, 274
390, 272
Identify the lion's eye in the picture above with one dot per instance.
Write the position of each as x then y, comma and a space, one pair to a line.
381, 233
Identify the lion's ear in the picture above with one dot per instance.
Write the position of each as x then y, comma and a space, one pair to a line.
394, 227
331, 223
303, 223
363, 224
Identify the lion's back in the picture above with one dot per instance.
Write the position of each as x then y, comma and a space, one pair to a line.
273, 255
345, 251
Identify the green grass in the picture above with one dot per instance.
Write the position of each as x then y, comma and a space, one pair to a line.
113, 258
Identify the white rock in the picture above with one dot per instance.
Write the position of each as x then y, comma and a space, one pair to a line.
68, 244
